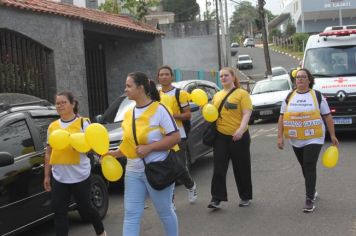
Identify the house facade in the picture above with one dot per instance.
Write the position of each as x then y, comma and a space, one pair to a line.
314, 16
47, 47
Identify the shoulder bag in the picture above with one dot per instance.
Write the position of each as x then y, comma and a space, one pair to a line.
209, 135
161, 174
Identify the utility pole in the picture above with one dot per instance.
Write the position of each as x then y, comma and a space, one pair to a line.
261, 11
218, 32
223, 36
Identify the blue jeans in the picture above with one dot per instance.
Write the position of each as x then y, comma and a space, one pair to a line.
136, 190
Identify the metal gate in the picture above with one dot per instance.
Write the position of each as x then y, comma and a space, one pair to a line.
24, 65
96, 76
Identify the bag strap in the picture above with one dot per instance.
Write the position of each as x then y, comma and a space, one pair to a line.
223, 101
177, 93
134, 131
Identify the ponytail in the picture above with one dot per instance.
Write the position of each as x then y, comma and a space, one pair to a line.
153, 93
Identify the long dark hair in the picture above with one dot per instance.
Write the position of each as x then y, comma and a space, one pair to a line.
71, 100
310, 77
149, 86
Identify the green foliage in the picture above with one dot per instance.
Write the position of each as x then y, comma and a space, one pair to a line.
110, 6
243, 17
298, 39
184, 10
290, 30
274, 33
137, 8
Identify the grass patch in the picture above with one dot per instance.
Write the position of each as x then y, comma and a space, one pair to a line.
294, 53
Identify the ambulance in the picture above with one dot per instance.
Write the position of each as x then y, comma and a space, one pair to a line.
330, 56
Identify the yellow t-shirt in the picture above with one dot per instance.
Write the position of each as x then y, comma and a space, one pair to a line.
231, 113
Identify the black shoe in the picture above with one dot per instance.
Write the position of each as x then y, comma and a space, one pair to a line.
309, 206
244, 203
214, 204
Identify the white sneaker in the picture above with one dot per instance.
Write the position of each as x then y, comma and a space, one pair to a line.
192, 193
315, 196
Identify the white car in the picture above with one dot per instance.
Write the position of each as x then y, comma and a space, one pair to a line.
244, 61
267, 96
249, 42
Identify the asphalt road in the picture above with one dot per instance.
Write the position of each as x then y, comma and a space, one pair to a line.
277, 204
259, 65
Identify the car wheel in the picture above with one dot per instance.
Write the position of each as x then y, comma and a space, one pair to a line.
251, 121
99, 197
251, 66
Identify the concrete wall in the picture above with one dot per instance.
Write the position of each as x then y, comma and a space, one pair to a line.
64, 37
128, 55
190, 46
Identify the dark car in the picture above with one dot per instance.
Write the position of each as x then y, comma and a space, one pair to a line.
23, 132
113, 116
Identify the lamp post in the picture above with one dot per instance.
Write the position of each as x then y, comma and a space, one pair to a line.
218, 32
261, 11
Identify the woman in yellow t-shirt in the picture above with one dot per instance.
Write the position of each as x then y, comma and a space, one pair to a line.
67, 172
301, 121
233, 140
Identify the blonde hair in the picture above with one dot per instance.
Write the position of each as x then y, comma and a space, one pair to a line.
233, 72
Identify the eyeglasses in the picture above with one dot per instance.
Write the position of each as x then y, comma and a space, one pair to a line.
61, 103
301, 77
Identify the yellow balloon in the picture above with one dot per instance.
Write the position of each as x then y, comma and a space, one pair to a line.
330, 157
59, 139
199, 97
294, 73
210, 113
79, 143
97, 137
111, 168
167, 101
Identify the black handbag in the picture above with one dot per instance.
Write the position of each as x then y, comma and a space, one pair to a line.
209, 135
161, 174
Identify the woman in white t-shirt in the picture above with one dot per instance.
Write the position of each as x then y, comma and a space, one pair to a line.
156, 133
67, 172
301, 121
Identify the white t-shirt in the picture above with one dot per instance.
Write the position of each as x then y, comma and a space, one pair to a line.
172, 93
302, 102
161, 118
72, 173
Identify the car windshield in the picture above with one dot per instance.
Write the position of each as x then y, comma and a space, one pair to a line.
331, 61
244, 58
271, 86
278, 72
125, 105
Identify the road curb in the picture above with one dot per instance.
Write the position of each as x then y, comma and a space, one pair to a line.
287, 54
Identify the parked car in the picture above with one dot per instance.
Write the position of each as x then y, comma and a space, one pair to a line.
244, 62
249, 42
113, 117
267, 97
23, 132
233, 49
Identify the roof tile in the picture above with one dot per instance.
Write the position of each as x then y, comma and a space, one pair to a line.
81, 13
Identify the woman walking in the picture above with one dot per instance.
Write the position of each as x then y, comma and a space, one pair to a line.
69, 170
156, 135
233, 140
306, 106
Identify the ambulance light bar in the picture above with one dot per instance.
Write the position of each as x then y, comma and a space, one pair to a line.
338, 32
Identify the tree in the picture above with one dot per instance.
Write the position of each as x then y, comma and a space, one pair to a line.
110, 6
290, 29
184, 10
137, 8
243, 19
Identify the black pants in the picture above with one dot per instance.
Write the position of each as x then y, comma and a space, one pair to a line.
185, 179
61, 194
308, 157
225, 149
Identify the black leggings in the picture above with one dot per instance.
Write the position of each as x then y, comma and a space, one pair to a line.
225, 149
186, 178
308, 157
61, 193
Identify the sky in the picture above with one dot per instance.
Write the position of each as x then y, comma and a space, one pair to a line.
273, 5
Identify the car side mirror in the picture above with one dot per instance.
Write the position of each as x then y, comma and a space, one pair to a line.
6, 159
98, 119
